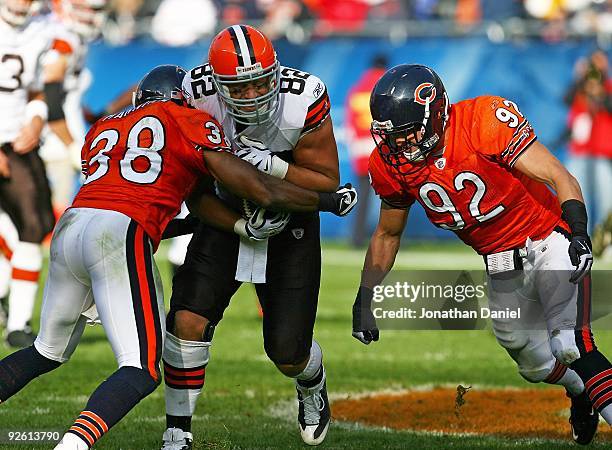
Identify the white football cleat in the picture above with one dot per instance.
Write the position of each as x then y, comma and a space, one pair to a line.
176, 439
313, 412
71, 442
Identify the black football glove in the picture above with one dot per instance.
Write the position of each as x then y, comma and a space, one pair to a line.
581, 256
364, 323
340, 202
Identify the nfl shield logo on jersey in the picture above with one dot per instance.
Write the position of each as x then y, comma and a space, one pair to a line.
440, 163
298, 233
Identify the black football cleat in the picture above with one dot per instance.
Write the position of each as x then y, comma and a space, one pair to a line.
583, 419
313, 412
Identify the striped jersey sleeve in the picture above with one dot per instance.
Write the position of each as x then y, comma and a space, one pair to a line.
316, 102
503, 132
317, 112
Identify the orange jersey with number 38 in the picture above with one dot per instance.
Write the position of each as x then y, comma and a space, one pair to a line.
145, 162
472, 188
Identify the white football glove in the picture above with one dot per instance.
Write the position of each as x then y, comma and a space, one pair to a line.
262, 224
258, 155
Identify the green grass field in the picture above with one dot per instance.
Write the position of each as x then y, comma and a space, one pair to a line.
248, 404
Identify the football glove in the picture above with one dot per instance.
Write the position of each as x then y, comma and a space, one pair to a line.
258, 155
581, 257
340, 202
262, 224
364, 323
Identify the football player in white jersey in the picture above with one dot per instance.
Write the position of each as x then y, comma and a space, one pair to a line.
277, 119
75, 24
24, 190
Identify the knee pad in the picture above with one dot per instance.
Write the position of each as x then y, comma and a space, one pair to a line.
283, 351
535, 374
531, 352
563, 346
511, 339
140, 380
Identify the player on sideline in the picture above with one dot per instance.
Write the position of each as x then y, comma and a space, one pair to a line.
24, 191
283, 115
478, 170
76, 23
139, 166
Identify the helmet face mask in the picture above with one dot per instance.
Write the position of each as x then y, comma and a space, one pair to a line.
246, 74
17, 12
409, 106
85, 17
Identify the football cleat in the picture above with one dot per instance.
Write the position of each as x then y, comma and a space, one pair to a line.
313, 412
21, 338
176, 439
583, 419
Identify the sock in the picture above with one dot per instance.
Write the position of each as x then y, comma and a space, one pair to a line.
596, 372
21, 367
26, 262
566, 377
313, 373
111, 401
184, 373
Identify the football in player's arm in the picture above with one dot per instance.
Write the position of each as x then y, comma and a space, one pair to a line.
478, 170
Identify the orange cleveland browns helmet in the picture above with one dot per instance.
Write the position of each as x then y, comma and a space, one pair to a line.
241, 54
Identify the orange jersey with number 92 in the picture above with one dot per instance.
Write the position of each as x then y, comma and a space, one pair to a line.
472, 188
145, 162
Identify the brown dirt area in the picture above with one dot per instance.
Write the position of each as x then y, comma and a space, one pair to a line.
541, 413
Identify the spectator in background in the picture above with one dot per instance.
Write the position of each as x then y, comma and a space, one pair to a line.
279, 16
338, 16
590, 124
183, 22
359, 140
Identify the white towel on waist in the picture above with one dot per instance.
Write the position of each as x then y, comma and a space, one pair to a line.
252, 261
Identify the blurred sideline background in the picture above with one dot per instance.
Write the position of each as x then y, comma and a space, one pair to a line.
534, 52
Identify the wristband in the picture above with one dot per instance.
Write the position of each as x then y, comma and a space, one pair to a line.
36, 108
279, 167
574, 213
327, 202
55, 96
240, 228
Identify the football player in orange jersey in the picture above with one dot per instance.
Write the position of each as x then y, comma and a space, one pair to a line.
139, 166
477, 169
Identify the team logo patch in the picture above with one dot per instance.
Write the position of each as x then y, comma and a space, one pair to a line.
249, 69
298, 233
440, 163
318, 90
425, 92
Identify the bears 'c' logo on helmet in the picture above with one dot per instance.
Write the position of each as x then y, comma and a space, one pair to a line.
424, 89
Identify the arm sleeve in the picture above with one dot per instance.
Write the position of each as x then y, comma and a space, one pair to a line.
500, 130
